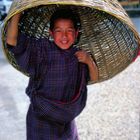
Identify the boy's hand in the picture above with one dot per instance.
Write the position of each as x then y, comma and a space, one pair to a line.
83, 57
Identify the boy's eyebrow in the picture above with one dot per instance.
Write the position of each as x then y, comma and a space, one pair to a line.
60, 28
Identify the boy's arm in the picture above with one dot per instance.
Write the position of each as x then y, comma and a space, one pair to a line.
93, 71
12, 30
83, 57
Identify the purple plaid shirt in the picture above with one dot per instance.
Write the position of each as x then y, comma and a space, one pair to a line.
57, 88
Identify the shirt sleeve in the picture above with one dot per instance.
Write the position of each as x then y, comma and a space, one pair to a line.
25, 52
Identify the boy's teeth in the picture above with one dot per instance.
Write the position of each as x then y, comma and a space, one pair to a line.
64, 41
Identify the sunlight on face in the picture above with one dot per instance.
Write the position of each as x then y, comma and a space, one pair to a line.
64, 33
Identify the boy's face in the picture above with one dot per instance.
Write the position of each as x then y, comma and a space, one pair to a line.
64, 33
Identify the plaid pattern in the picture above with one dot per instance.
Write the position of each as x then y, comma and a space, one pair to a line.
57, 88
43, 130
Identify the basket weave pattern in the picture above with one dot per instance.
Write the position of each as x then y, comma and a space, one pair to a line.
111, 42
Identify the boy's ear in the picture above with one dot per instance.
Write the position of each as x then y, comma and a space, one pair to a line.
51, 33
77, 33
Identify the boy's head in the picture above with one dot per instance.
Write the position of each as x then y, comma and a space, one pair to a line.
64, 28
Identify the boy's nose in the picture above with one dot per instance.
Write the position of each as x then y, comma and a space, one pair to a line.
64, 34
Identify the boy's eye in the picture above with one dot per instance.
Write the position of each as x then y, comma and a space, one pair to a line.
57, 30
70, 30
60, 30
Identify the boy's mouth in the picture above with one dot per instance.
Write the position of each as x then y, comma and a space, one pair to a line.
64, 41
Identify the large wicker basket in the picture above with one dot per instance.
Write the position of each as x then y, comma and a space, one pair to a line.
107, 32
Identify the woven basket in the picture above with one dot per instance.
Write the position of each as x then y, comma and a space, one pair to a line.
107, 32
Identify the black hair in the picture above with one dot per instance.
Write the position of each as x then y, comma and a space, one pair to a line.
65, 14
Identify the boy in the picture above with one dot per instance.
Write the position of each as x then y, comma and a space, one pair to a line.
58, 76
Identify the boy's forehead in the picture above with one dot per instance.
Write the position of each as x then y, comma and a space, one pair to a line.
63, 21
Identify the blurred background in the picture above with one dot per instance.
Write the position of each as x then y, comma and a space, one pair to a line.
113, 106
131, 6
4, 8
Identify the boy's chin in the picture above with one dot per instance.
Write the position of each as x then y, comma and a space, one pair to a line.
64, 47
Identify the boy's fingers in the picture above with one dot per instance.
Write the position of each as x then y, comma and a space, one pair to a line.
79, 53
76, 54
